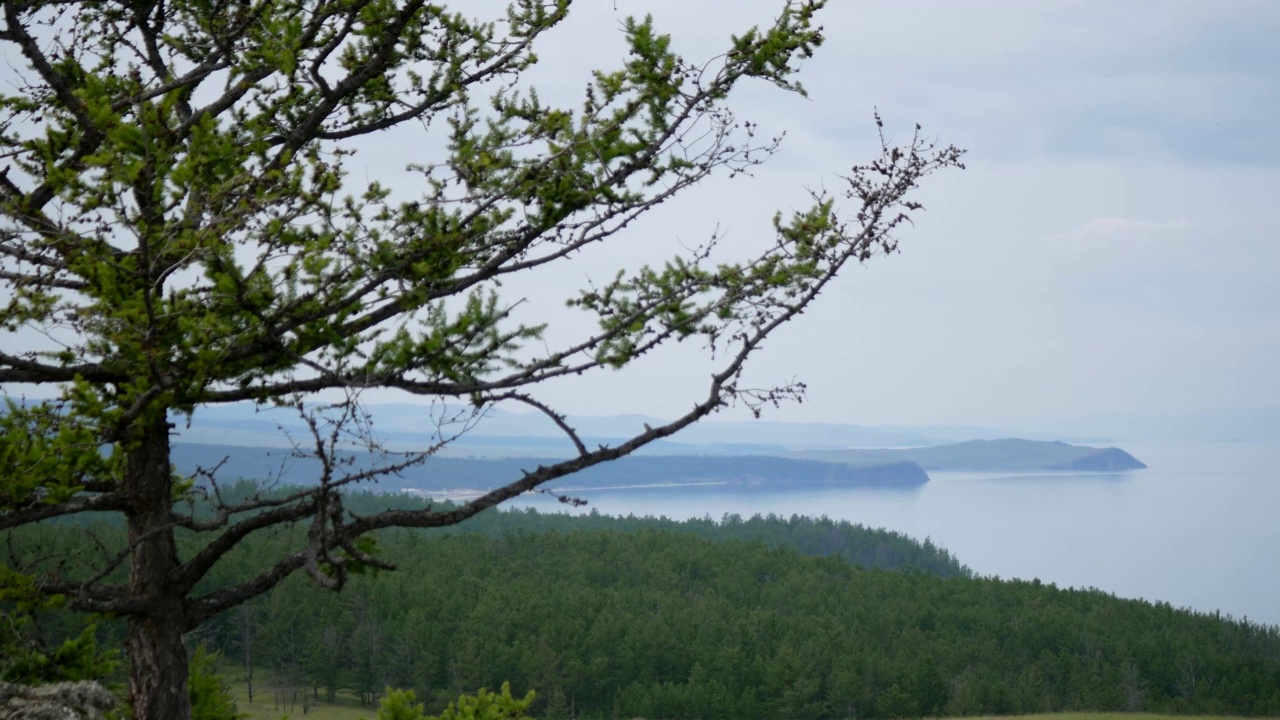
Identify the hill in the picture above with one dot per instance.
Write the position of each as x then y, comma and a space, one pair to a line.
669, 625
439, 474
637, 617
1009, 455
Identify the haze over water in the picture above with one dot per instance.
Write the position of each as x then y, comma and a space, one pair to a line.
1197, 529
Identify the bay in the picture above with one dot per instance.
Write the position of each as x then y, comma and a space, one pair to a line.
1198, 528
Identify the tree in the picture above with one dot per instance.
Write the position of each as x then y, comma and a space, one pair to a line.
211, 698
178, 231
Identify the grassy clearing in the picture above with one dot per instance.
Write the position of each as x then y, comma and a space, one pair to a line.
1103, 716
347, 707
264, 706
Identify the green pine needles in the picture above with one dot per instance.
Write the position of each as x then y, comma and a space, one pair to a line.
484, 705
179, 229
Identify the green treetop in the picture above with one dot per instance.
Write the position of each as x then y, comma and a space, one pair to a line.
178, 230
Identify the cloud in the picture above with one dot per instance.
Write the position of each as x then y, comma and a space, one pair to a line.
1110, 247
1109, 231
1196, 83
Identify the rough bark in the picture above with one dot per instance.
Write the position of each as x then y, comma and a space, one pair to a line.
157, 657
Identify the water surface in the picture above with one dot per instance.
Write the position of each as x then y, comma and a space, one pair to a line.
1198, 528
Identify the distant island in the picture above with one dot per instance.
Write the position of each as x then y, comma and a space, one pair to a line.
1009, 455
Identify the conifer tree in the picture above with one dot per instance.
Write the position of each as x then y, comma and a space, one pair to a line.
179, 230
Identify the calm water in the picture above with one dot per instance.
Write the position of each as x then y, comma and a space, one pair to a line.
1198, 528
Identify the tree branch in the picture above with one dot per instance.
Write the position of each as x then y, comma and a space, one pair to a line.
545, 409
37, 511
17, 369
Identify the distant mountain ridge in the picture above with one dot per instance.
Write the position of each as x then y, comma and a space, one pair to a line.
414, 426
410, 424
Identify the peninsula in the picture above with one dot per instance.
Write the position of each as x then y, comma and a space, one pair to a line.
747, 472
1009, 455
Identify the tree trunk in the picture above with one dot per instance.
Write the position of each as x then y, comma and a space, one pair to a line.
158, 669
157, 657
248, 664
245, 616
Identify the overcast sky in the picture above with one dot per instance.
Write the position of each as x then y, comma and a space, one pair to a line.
1111, 248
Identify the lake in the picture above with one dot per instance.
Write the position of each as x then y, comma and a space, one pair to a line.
1197, 529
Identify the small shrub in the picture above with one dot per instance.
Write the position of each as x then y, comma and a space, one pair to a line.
484, 705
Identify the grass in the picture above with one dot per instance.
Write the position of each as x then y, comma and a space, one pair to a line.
347, 707
263, 707
1103, 716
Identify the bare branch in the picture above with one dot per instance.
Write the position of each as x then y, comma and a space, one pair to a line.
556, 417
204, 607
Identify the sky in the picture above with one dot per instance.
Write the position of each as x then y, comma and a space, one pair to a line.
1111, 248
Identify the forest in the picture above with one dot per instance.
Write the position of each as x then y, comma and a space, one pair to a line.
751, 618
